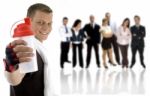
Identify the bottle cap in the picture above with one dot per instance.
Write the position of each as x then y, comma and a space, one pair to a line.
23, 29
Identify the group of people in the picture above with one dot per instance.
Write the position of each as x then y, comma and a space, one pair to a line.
37, 83
112, 39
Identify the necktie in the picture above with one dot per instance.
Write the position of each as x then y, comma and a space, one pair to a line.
92, 25
66, 29
108, 23
138, 27
66, 33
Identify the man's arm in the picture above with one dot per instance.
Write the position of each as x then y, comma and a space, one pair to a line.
143, 32
134, 35
85, 32
64, 34
23, 54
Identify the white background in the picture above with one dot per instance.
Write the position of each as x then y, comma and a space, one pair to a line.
14, 10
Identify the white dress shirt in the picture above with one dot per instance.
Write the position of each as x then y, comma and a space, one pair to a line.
93, 25
113, 26
123, 36
65, 37
48, 80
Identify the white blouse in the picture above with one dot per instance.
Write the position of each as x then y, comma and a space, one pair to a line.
106, 29
123, 36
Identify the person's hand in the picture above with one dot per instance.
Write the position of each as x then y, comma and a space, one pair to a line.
134, 34
23, 52
88, 37
17, 52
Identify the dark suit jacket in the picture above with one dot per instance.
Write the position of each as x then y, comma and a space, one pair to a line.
138, 34
80, 37
92, 33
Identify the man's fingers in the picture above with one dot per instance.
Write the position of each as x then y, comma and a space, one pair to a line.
18, 42
24, 54
22, 48
27, 59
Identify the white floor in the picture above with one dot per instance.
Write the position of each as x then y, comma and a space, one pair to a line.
103, 82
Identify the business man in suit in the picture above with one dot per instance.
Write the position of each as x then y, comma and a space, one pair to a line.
93, 40
137, 44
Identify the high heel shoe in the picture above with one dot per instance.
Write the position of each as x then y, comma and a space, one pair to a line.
112, 64
106, 67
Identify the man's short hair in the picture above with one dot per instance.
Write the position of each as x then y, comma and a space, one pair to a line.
38, 7
107, 13
65, 18
136, 16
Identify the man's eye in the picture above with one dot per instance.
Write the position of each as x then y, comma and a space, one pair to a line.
40, 23
49, 24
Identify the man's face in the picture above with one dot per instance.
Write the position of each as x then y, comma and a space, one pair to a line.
137, 21
41, 24
65, 21
92, 19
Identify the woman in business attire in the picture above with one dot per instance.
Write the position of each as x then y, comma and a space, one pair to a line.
77, 39
106, 42
123, 39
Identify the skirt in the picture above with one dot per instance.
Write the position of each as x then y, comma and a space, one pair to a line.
106, 43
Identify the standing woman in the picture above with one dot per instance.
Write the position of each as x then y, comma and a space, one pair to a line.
123, 39
76, 39
106, 42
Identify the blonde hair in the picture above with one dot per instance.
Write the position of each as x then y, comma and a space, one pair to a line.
104, 20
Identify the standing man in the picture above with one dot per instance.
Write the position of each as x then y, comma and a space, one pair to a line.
65, 33
137, 44
93, 40
34, 83
114, 38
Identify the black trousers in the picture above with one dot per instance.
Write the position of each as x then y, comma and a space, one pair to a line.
64, 53
115, 48
74, 57
124, 53
134, 50
89, 49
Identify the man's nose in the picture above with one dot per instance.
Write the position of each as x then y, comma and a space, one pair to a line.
46, 27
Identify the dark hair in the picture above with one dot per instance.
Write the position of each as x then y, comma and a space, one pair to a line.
38, 7
136, 16
76, 22
65, 18
126, 19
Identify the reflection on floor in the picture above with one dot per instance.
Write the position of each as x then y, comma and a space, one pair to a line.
102, 82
